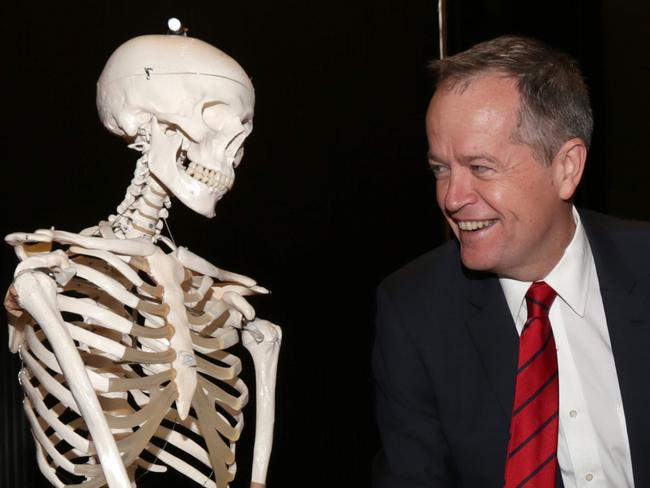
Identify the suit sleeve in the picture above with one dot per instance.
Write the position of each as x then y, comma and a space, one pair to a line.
414, 452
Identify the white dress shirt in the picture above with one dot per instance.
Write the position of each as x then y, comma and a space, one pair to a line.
593, 447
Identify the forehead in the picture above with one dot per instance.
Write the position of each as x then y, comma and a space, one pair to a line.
484, 103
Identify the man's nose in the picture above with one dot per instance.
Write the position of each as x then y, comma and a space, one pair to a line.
459, 192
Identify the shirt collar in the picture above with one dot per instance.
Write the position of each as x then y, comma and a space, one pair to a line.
570, 277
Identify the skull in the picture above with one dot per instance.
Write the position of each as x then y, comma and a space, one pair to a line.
188, 104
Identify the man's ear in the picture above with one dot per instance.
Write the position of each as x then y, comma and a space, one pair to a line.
569, 164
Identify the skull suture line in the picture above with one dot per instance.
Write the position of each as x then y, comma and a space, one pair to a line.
194, 110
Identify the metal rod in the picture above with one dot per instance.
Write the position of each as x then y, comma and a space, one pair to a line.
442, 27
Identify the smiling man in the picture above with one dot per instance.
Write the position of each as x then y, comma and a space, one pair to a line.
510, 211
515, 355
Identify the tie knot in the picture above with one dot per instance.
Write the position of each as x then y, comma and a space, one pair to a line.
539, 299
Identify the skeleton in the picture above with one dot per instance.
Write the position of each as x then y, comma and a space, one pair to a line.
124, 336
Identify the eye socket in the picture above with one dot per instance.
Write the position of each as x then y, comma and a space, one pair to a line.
215, 115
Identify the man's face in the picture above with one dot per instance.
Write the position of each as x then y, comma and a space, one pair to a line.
503, 205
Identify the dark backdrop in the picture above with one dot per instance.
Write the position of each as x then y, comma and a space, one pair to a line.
333, 192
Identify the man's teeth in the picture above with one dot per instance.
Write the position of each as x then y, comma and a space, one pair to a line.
474, 224
216, 181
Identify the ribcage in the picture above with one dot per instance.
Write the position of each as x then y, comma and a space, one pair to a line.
113, 310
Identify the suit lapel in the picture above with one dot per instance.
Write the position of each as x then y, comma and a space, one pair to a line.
627, 309
495, 337
497, 343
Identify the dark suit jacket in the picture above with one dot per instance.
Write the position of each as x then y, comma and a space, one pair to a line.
446, 352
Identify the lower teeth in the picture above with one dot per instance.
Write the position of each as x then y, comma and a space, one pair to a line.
214, 184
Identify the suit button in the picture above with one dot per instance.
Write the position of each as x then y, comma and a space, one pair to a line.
589, 476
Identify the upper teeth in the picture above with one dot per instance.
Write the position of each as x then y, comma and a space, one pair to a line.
474, 224
215, 180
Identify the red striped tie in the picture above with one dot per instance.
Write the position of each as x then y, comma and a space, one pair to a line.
532, 448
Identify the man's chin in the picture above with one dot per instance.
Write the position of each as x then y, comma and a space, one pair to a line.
476, 262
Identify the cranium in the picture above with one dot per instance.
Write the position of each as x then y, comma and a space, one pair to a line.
189, 104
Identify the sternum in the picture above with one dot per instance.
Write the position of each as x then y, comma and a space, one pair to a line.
169, 273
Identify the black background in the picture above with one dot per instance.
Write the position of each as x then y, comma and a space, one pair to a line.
333, 193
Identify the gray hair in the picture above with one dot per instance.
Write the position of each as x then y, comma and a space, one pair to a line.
554, 99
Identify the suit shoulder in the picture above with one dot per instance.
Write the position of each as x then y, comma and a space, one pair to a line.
616, 224
624, 232
631, 237
435, 271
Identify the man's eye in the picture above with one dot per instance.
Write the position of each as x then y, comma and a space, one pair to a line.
479, 169
439, 170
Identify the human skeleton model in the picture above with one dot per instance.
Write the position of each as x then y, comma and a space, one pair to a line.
124, 337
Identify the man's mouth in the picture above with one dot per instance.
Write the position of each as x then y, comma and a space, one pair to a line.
474, 225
